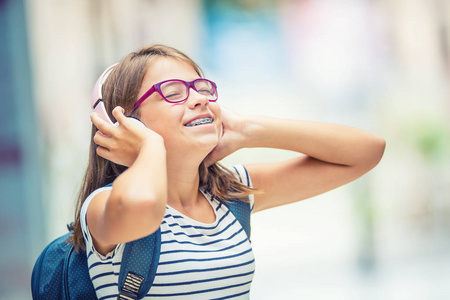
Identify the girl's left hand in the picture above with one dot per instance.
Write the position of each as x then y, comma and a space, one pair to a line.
233, 136
121, 144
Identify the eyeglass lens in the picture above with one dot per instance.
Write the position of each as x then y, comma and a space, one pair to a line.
175, 91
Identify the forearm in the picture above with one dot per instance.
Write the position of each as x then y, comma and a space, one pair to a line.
135, 206
326, 142
146, 177
139, 194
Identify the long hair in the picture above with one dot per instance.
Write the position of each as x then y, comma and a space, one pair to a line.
121, 88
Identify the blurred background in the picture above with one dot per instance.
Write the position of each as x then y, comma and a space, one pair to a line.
380, 65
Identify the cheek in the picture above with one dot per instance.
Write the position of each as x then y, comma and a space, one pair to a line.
157, 126
149, 122
151, 116
163, 122
153, 123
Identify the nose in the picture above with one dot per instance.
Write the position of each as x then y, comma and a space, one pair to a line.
196, 99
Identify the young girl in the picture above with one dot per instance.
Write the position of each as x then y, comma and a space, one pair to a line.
165, 175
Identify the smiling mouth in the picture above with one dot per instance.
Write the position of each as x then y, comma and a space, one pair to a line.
200, 122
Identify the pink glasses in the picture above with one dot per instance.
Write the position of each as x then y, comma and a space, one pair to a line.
177, 90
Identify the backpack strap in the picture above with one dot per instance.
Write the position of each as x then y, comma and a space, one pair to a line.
138, 268
242, 211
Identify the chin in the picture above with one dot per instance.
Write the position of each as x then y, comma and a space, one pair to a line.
206, 143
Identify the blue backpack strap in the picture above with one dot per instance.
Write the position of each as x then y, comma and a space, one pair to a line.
242, 211
138, 268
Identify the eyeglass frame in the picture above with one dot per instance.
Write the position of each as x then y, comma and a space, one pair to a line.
189, 84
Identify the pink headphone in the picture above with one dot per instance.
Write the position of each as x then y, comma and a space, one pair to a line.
97, 103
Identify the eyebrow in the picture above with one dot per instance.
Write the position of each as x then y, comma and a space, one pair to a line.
173, 82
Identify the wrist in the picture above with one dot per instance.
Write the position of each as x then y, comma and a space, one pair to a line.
252, 131
152, 142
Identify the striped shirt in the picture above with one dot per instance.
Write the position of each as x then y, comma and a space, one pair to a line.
197, 261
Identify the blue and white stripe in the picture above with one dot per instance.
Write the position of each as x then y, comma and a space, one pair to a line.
197, 261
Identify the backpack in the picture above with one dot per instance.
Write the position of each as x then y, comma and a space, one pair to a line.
62, 273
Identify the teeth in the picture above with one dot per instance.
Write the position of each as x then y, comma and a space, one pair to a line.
200, 122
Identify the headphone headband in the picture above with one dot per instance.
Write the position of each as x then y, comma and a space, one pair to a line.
97, 91
97, 104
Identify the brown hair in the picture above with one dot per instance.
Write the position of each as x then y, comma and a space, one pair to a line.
121, 88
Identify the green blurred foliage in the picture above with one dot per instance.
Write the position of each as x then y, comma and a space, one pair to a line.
430, 136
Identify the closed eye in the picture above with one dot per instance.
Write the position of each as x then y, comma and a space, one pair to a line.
173, 95
206, 92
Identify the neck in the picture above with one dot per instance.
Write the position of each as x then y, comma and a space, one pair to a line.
183, 182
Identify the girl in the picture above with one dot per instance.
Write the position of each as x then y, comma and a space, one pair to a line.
165, 175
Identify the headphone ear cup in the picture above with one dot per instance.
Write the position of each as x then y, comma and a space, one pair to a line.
101, 112
96, 97
137, 121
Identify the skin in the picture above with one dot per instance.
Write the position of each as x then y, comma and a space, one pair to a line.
164, 155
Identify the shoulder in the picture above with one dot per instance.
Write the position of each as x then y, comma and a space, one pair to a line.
88, 200
244, 177
242, 174
83, 213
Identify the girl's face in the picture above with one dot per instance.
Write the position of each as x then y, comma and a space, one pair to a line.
170, 119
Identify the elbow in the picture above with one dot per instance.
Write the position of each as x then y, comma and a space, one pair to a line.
379, 147
130, 214
374, 152
145, 209
156, 207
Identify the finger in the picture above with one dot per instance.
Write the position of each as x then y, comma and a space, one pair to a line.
101, 139
103, 152
118, 113
209, 161
212, 157
101, 124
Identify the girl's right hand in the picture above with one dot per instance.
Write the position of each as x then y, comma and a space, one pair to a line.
121, 144
233, 136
